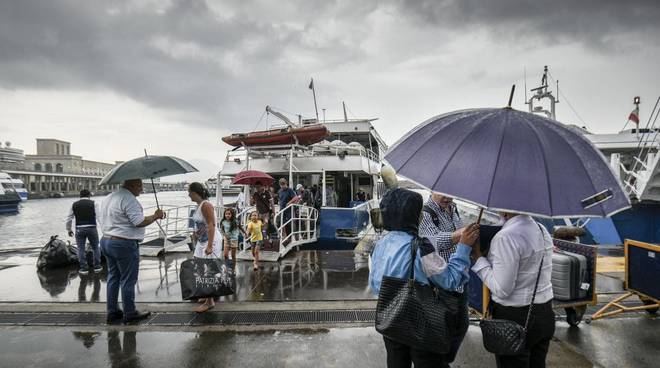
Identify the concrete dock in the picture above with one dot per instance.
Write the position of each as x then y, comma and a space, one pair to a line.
311, 309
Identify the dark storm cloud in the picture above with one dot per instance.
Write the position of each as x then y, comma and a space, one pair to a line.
218, 60
180, 55
593, 22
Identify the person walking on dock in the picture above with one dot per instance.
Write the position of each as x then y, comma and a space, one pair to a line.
208, 241
122, 224
84, 212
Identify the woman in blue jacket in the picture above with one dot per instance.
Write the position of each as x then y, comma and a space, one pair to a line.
401, 210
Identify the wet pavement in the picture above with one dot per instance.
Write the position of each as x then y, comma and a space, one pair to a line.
304, 275
345, 347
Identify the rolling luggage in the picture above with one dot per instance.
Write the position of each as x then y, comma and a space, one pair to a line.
570, 280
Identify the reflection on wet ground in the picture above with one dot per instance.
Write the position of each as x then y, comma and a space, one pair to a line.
303, 275
352, 347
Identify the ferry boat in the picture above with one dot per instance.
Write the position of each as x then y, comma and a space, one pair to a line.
9, 197
347, 162
15, 184
634, 159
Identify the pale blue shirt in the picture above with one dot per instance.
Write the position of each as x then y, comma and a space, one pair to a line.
120, 214
391, 257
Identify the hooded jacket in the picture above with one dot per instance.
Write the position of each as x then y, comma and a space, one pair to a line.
401, 210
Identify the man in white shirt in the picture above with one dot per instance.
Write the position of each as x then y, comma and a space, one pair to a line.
123, 224
519, 255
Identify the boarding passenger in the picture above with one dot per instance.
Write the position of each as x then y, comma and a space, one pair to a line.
122, 224
265, 206
401, 211
229, 229
84, 212
253, 229
442, 225
519, 255
286, 197
208, 243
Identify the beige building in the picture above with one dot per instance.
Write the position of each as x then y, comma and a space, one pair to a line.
55, 156
54, 171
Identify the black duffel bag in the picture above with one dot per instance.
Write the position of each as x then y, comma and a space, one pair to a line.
56, 253
206, 277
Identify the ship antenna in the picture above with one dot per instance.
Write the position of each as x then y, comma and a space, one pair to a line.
525, 78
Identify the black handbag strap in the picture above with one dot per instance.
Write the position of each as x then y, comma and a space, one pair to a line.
413, 254
536, 285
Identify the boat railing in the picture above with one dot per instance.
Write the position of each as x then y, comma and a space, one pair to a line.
646, 159
296, 225
317, 150
176, 223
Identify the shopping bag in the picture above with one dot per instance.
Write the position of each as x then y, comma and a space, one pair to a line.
204, 277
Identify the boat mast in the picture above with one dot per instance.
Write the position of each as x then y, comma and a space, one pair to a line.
540, 93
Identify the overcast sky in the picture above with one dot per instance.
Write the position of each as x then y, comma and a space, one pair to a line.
114, 77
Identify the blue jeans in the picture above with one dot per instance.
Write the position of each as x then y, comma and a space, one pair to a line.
123, 257
82, 235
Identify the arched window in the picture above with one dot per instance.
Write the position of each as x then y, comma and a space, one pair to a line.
37, 167
59, 168
49, 167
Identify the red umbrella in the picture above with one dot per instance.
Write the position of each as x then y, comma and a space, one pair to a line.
251, 177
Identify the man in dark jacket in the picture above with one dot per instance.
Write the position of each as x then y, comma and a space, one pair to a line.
84, 212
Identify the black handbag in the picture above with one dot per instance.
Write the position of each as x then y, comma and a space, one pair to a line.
205, 277
419, 316
506, 337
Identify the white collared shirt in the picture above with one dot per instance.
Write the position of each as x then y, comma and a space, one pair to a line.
120, 214
513, 263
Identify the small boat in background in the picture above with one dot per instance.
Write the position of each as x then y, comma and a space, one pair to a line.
303, 135
9, 199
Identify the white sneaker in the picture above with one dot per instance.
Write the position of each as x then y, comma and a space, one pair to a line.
98, 269
83, 272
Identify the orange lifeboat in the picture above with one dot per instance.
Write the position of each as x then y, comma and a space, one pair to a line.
304, 135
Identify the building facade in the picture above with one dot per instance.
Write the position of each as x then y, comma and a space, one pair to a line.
54, 171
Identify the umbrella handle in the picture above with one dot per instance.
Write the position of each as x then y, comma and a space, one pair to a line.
153, 186
481, 212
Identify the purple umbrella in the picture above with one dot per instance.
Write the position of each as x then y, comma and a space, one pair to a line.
508, 160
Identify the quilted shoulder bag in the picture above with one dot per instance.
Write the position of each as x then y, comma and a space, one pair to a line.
506, 337
414, 314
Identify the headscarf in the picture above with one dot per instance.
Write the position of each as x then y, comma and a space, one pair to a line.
401, 209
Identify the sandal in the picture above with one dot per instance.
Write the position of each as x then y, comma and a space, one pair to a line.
204, 308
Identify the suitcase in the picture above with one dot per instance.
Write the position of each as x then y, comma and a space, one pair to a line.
570, 280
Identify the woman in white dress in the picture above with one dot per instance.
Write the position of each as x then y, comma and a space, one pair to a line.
208, 240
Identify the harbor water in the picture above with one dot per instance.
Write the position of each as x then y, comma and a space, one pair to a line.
38, 219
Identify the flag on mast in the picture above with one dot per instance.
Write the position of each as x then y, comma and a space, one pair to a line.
311, 84
634, 115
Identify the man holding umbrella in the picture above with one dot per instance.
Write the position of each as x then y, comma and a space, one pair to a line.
123, 229
123, 223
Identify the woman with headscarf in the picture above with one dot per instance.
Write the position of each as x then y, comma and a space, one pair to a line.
401, 210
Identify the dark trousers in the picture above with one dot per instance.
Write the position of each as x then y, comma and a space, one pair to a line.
402, 356
123, 257
83, 234
540, 331
462, 324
